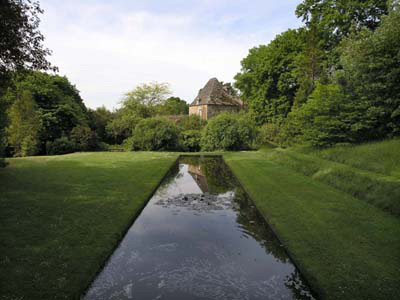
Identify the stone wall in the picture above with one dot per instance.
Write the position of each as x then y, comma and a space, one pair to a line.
208, 111
199, 110
214, 110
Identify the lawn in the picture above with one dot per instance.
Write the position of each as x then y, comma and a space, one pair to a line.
62, 216
346, 248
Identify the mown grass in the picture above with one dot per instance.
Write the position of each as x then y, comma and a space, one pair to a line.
345, 247
380, 157
61, 217
379, 189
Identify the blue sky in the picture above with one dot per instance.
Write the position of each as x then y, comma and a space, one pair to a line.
106, 48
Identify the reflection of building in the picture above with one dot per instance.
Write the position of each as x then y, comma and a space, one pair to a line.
197, 174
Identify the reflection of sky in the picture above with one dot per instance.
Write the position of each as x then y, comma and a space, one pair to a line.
182, 184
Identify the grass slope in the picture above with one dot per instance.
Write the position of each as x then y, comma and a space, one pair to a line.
346, 248
379, 157
337, 168
61, 217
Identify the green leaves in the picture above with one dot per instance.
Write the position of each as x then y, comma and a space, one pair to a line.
267, 82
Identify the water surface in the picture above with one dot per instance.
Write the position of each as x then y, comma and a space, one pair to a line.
199, 238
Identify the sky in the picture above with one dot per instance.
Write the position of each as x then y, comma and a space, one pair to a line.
107, 48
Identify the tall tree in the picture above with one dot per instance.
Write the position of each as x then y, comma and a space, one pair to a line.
337, 18
58, 103
20, 39
152, 93
267, 81
174, 106
20, 46
25, 125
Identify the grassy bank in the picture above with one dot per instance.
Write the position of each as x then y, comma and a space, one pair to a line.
346, 248
379, 157
353, 170
61, 217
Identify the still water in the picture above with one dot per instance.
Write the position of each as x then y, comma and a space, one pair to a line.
199, 238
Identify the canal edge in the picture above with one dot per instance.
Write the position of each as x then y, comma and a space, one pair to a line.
317, 292
126, 228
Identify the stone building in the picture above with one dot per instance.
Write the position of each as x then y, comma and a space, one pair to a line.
213, 99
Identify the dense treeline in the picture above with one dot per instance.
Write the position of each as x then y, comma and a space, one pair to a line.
335, 80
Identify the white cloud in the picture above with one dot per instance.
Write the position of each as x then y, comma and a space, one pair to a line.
107, 51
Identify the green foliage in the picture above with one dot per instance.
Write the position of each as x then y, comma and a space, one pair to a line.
57, 103
327, 116
337, 18
99, 118
192, 122
21, 41
189, 140
229, 132
173, 106
155, 134
60, 146
84, 138
25, 126
151, 94
267, 81
371, 63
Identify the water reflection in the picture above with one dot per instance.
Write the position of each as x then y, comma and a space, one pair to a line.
199, 238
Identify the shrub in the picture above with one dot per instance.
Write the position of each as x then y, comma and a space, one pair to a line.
192, 122
154, 134
327, 117
189, 140
229, 132
29, 146
60, 146
84, 138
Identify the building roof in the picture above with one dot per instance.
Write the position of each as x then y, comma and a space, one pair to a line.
214, 93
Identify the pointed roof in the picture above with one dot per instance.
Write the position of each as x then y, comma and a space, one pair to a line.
215, 93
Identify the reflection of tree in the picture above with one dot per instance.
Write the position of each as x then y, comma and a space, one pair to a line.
296, 285
255, 225
215, 174
219, 177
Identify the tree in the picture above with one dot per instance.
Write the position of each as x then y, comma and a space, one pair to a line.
337, 18
25, 126
98, 120
84, 138
58, 103
148, 94
20, 39
371, 72
20, 47
267, 81
173, 106
155, 134
229, 131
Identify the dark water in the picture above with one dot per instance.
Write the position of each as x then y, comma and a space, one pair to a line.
199, 238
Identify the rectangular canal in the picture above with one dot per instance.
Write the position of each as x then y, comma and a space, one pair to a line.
199, 238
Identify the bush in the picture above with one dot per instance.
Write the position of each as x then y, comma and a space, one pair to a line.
154, 134
60, 146
229, 132
189, 140
192, 122
29, 146
84, 138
